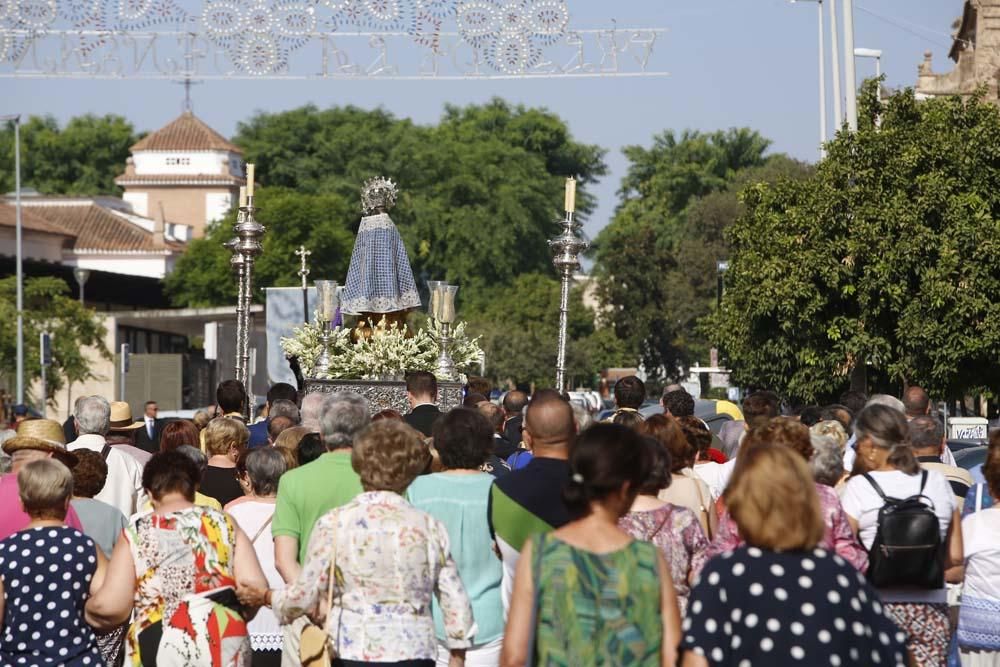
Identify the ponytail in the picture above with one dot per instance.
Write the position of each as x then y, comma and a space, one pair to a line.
901, 458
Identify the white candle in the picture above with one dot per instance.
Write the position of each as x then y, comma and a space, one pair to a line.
570, 195
243, 196
435, 309
448, 303
249, 179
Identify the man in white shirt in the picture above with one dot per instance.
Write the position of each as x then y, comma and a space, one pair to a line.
123, 488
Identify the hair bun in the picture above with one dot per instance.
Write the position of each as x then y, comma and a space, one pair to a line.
577, 477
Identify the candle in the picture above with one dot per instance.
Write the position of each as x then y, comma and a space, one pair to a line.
570, 195
448, 303
249, 179
327, 293
243, 196
435, 309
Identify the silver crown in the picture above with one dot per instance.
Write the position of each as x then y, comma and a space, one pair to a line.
378, 192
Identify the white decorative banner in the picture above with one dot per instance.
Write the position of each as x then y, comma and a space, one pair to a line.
307, 39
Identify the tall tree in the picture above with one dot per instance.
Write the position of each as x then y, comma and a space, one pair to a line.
49, 306
884, 257
82, 158
655, 262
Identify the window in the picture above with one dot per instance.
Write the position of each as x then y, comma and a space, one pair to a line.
181, 161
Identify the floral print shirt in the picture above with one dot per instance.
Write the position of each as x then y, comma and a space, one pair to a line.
675, 531
838, 536
389, 559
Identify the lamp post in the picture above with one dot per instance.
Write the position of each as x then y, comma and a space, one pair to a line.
16, 118
850, 80
838, 117
822, 80
877, 55
566, 249
81, 276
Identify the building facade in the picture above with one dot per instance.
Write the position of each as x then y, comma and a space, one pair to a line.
975, 51
185, 172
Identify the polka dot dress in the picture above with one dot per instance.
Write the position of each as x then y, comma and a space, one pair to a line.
46, 576
755, 607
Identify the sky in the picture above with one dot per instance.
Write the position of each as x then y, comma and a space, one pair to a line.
732, 63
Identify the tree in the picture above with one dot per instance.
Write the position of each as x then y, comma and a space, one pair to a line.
203, 275
48, 307
885, 257
655, 262
81, 159
519, 327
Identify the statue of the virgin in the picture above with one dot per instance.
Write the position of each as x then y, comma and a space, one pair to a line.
379, 281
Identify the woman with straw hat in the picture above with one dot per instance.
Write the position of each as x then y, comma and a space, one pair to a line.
36, 439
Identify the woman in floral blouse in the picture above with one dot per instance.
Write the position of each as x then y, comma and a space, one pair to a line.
389, 559
838, 536
673, 529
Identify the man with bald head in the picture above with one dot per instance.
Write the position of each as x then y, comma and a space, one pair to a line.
529, 500
513, 407
916, 402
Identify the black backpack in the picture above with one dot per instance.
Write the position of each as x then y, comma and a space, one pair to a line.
908, 551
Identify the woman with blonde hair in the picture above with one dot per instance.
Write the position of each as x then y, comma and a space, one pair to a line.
779, 599
387, 559
837, 534
225, 440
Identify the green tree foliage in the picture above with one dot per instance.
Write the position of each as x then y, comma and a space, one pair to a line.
885, 256
655, 262
203, 275
82, 158
519, 326
48, 306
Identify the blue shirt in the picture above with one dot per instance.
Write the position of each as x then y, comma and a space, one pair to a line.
460, 503
258, 434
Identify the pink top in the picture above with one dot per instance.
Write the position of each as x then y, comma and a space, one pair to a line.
837, 537
13, 517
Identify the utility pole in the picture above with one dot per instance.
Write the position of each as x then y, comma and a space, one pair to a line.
838, 117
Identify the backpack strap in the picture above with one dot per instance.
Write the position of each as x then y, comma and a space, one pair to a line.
923, 482
105, 451
878, 489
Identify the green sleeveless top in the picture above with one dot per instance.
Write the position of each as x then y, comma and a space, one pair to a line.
596, 609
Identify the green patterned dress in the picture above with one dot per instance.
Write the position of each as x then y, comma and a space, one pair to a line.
596, 609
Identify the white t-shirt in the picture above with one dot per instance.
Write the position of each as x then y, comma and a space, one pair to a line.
982, 554
716, 475
862, 502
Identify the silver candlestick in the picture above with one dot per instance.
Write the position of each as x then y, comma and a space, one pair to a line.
442, 309
566, 249
328, 297
246, 246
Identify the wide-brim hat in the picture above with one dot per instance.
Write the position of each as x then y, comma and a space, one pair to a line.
121, 417
44, 429
58, 451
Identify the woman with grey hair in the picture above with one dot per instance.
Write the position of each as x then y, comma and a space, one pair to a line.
258, 471
827, 461
34, 584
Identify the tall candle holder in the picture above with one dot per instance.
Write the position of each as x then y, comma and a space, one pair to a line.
245, 246
442, 309
566, 249
328, 295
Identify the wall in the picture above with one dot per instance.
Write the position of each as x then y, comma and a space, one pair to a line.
186, 205
152, 266
139, 202
34, 245
159, 163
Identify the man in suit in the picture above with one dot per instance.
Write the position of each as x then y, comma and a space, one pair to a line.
148, 437
513, 407
281, 391
421, 392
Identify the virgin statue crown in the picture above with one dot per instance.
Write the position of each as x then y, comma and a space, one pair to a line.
378, 192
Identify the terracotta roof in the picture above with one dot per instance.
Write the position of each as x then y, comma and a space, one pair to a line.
185, 133
173, 179
97, 228
29, 220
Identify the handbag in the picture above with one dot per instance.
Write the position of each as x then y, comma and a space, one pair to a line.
314, 643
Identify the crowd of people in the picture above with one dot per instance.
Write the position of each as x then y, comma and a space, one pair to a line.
511, 533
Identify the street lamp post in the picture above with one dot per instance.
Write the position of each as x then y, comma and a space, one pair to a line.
16, 118
877, 55
81, 276
850, 80
822, 81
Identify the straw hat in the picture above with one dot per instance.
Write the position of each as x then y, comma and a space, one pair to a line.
57, 450
43, 429
121, 417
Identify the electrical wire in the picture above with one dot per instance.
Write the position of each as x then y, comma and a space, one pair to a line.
896, 23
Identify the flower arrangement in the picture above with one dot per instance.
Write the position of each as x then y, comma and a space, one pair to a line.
387, 354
